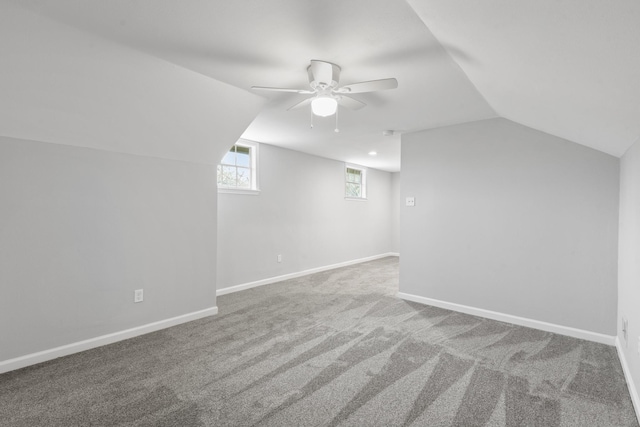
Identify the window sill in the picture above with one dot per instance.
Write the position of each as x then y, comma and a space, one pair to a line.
238, 191
356, 199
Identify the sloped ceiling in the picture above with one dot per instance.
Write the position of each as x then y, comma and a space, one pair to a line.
568, 68
61, 85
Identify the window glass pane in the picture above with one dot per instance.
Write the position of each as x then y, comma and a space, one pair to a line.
243, 156
228, 176
352, 190
354, 175
244, 178
229, 158
238, 168
243, 150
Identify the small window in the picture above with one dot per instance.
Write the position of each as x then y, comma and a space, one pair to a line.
355, 182
238, 170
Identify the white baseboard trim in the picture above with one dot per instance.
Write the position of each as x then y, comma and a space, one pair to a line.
516, 320
635, 398
65, 350
270, 280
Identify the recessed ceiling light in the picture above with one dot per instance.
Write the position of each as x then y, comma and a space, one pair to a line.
372, 153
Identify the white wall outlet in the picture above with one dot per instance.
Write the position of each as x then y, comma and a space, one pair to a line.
410, 201
138, 295
279, 257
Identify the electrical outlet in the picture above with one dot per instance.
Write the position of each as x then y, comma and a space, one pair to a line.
279, 258
625, 329
138, 295
410, 201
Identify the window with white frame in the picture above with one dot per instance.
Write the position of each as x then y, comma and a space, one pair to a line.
355, 182
238, 170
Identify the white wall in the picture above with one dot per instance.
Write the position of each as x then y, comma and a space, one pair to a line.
511, 220
629, 262
302, 214
395, 212
81, 228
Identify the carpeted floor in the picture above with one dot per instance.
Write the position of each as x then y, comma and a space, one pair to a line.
331, 349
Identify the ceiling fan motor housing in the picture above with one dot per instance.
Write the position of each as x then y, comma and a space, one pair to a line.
323, 75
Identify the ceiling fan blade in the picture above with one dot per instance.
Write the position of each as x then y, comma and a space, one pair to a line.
281, 89
322, 73
300, 104
370, 86
350, 103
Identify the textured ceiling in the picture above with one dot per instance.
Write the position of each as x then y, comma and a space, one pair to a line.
568, 68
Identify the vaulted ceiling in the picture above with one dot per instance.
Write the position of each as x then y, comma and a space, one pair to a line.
570, 68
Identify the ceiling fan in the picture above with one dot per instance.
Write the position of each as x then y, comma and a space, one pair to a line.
323, 79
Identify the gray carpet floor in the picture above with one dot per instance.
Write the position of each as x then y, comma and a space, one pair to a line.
331, 349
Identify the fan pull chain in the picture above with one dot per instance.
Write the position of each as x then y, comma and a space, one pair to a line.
336, 130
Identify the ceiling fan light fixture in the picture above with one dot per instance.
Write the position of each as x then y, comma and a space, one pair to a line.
324, 79
324, 106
